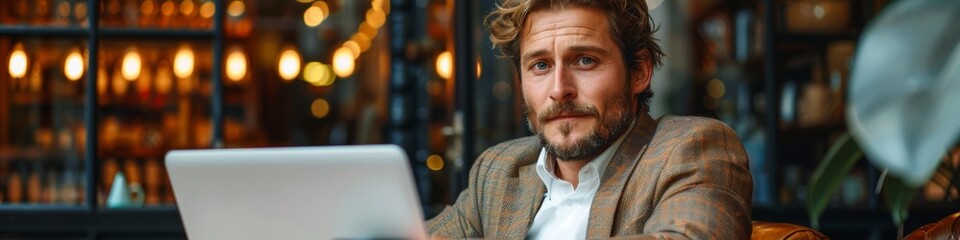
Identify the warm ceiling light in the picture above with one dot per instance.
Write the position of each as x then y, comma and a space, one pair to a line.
445, 65
289, 64
343, 62
207, 9
18, 62
183, 62
236, 8
236, 65
130, 67
73, 65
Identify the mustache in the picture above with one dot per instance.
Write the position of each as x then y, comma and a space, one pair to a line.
566, 108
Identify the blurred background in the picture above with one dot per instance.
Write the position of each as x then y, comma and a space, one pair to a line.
93, 88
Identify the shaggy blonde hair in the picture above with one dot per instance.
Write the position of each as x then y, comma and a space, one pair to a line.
631, 27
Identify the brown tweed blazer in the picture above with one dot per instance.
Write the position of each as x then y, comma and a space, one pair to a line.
675, 178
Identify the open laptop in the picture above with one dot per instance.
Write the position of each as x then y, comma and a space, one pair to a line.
341, 192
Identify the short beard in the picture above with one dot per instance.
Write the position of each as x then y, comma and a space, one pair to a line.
594, 143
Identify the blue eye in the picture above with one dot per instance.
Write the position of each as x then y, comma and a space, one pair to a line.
586, 61
540, 66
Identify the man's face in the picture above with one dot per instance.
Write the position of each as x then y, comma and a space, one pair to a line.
577, 95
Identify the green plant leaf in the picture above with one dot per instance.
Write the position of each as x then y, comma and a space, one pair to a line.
841, 157
898, 196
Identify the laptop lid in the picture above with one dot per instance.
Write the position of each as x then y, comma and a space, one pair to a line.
296, 193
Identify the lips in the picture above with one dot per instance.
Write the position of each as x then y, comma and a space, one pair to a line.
566, 117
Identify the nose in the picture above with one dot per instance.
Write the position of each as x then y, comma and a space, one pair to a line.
564, 87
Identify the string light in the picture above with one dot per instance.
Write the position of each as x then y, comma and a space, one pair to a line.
315, 14
343, 62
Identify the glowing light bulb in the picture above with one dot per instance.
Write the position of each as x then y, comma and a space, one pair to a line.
18, 62
445, 65
236, 65
343, 62
289, 64
183, 62
130, 66
73, 65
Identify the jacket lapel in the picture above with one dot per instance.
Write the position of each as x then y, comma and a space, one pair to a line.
522, 198
604, 207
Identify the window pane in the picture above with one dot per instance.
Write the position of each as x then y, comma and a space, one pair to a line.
42, 135
153, 96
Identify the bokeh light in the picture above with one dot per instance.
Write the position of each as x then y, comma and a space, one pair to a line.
18, 62
183, 62
236, 64
130, 66
289, 65
343, 62
73, 65
444, 65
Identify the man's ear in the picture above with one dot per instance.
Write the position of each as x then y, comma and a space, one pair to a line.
643, 72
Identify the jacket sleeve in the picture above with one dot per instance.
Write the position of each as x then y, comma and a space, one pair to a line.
706, 188
462, 220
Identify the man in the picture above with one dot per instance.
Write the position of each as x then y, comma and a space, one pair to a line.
599, 165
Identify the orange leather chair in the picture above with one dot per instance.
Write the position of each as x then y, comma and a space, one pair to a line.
946, 228
784, 231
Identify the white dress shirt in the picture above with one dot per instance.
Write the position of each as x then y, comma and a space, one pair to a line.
565, 211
